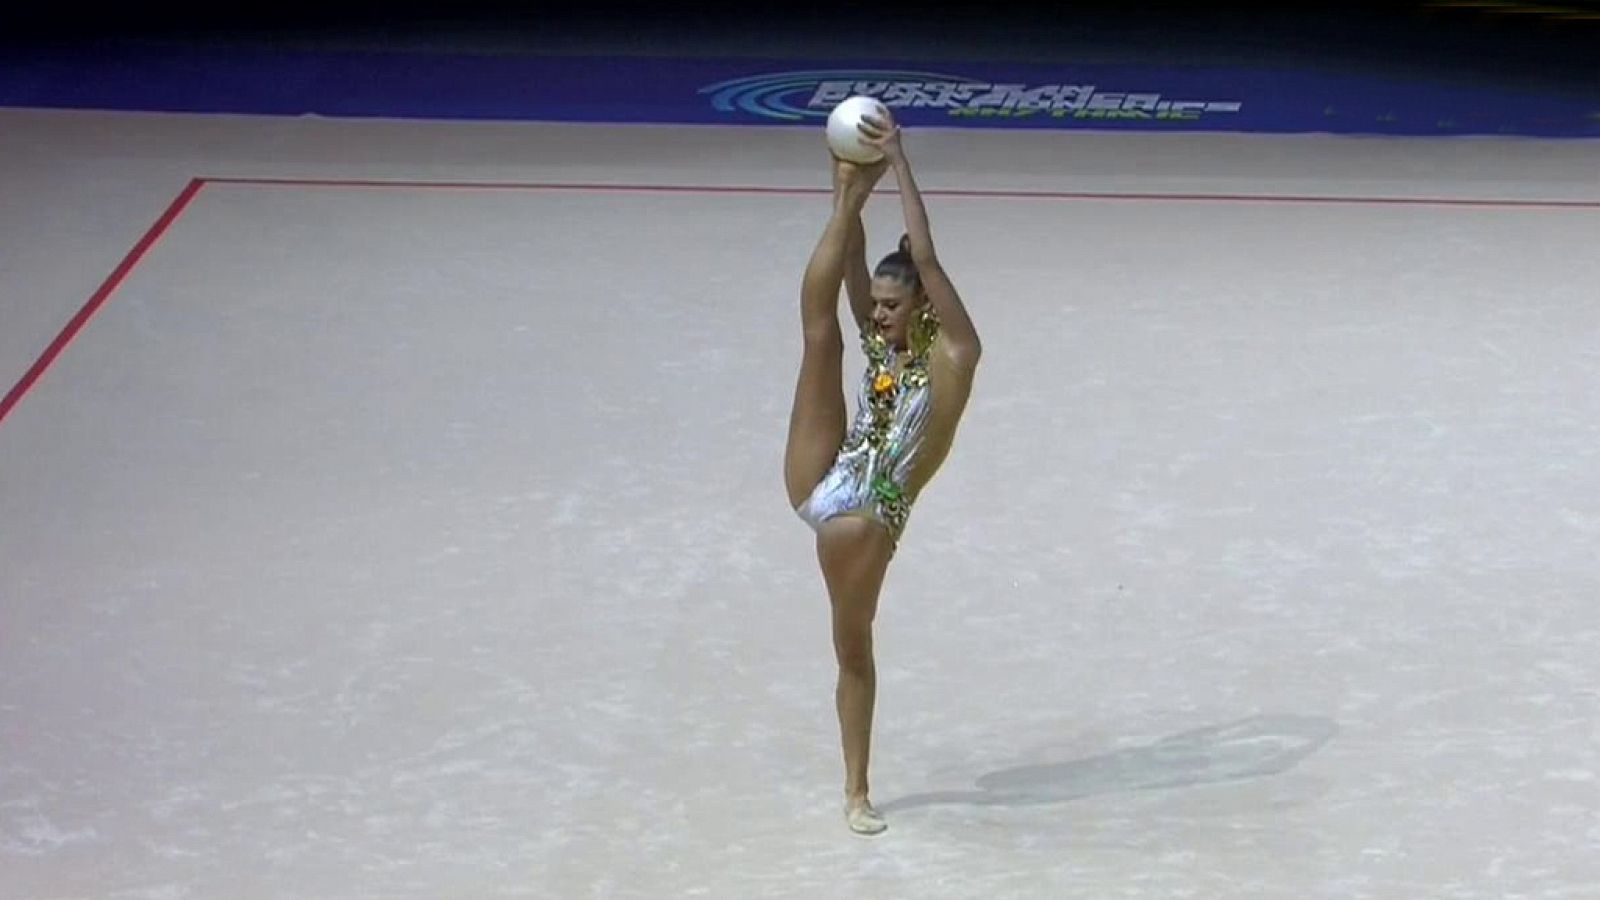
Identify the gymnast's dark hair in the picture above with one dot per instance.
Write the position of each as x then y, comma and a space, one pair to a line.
899, 265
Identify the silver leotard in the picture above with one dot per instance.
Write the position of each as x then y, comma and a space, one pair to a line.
869, 475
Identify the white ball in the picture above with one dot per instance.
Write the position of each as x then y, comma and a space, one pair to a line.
843, 137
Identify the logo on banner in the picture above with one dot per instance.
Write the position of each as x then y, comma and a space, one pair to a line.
795, 96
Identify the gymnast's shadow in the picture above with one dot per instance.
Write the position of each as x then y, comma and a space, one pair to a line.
1250, 748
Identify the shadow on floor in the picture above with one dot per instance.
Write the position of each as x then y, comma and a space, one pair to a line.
1256, 747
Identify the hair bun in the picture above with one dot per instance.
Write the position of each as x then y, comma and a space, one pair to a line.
905, 244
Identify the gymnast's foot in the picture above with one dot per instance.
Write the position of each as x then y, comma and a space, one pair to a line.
862, 818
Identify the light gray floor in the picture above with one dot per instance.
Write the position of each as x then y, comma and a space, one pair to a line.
417, 543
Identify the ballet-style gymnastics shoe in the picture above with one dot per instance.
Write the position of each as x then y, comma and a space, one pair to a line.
864, 820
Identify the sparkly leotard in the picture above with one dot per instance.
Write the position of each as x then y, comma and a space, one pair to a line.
870, 474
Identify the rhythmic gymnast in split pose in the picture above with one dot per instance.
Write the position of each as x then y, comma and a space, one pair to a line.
856, 487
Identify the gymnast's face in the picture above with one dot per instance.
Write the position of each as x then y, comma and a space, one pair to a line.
894, 303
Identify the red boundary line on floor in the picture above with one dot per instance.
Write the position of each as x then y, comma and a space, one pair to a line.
596, 187
181, 203
100, 296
